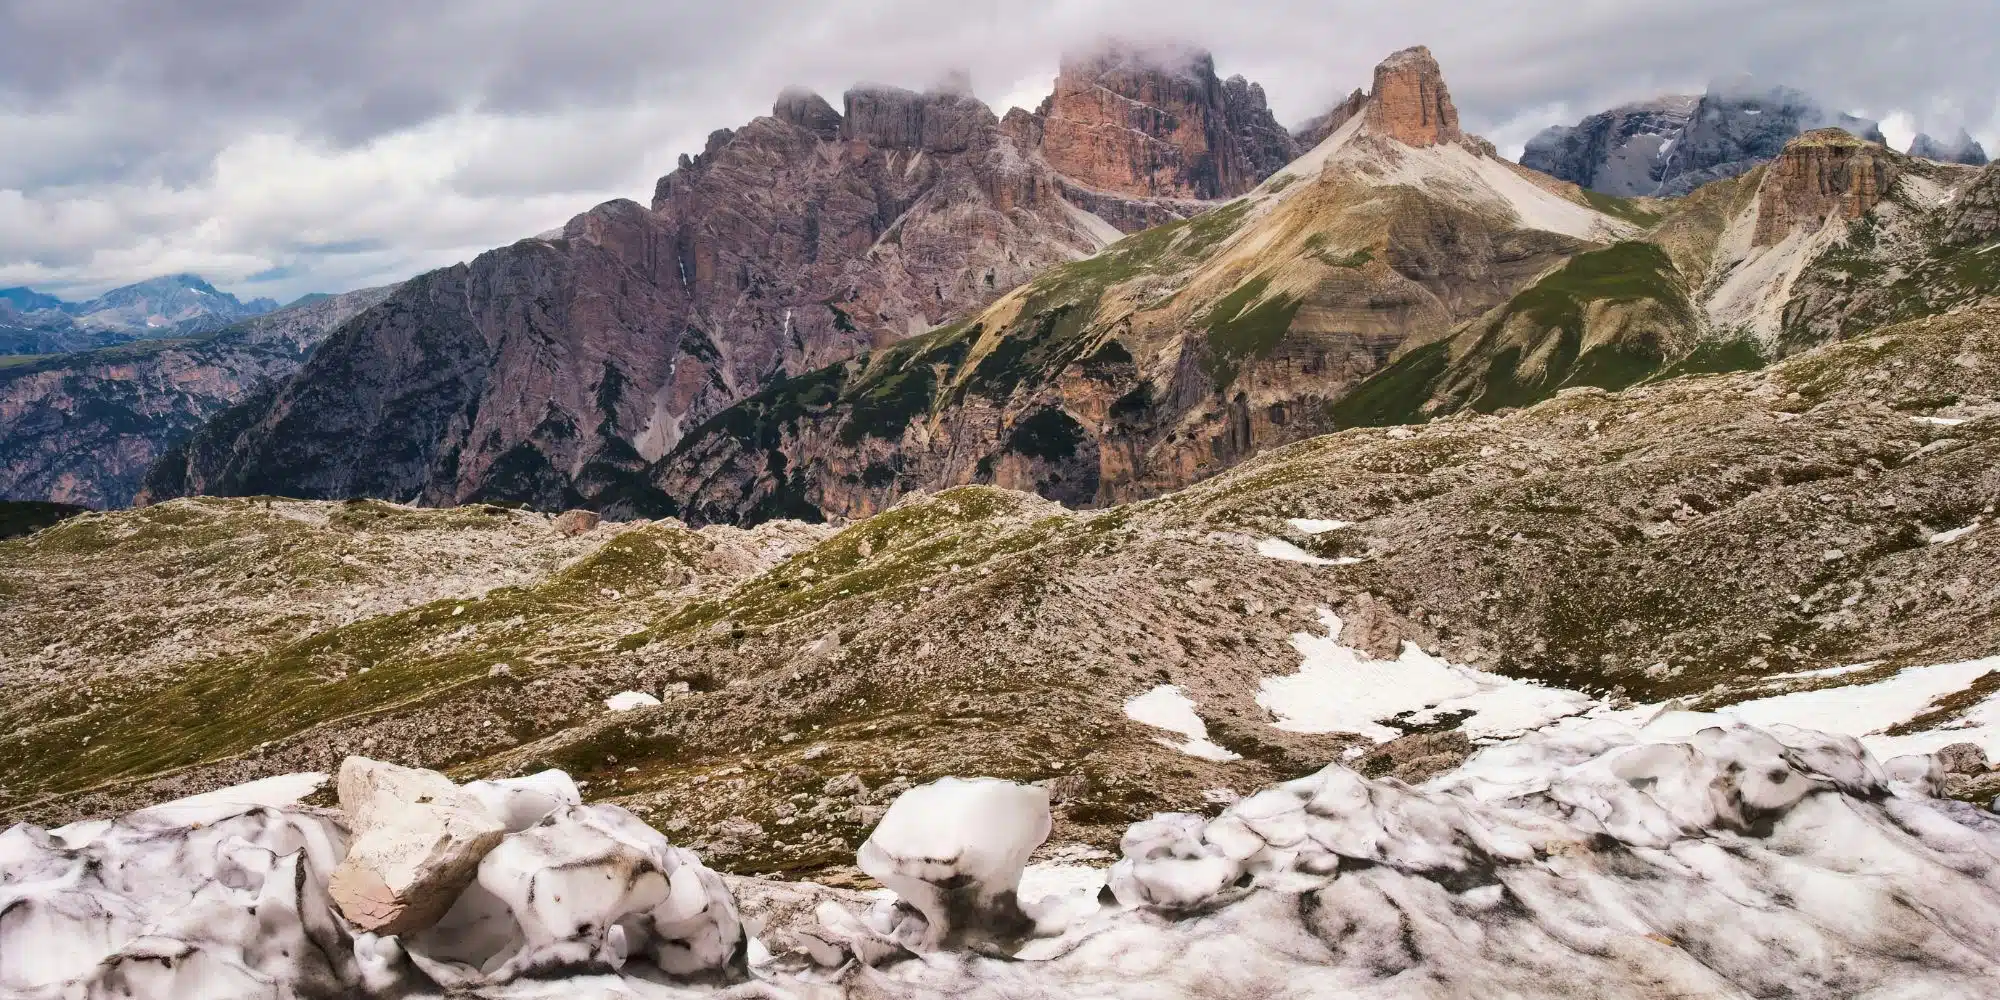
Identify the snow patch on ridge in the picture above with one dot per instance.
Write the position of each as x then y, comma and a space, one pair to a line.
1340, 689
1316, 526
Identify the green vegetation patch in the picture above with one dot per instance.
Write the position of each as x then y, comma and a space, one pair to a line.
1623, 208
1396, 394
25, 517
1048, 434
1244, 325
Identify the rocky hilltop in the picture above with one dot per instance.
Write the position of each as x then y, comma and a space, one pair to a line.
83, 428
1670, 146
552, 370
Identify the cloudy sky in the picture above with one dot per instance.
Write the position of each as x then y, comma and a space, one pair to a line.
282, 146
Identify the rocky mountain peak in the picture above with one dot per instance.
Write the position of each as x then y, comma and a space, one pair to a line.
1962, 148
1155, 121
1410, 102
807, 110
1821, 173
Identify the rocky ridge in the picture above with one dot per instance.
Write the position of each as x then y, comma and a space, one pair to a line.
1962, 149
555, 369
83, 428
1670, 146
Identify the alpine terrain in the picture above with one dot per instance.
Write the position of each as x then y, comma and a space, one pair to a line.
1124, 548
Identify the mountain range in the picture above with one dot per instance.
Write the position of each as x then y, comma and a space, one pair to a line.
175, 305
1356, 563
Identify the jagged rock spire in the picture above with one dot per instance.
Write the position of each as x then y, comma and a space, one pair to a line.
1410, 102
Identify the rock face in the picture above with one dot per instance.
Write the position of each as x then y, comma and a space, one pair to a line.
1963, 149
1618, 152
1157, 123
555, 369
83, 428
1667, 148
1825, 173
1316, 129
1410, 103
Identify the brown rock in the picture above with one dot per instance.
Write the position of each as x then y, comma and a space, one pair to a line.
1963, 758
1156, 122
571, 523
1410, 102
1822, 174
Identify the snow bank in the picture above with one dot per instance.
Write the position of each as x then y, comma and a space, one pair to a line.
1739, 862
1167, 707
1317, 526
208, 898
1340, 689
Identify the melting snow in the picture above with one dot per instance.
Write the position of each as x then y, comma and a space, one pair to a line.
1340, 689
1868, 710
1167, 707
625, 701
1948, 537
1315, 526
1940, 421
1278, 548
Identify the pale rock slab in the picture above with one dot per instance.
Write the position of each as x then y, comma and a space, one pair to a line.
419, 840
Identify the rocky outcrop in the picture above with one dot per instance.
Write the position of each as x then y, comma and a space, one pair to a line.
1619, 152
1410, 103
1973, 218
554, 370
1316, 129
83, 428
1962, 149
1825, 173
1670, 146
1157, 122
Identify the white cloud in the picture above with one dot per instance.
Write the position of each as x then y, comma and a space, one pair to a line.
284, 138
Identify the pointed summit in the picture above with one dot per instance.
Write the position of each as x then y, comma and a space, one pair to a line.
1410, 102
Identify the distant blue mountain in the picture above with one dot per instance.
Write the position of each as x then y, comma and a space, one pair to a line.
174, 305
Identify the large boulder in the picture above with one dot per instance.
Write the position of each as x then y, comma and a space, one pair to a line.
418, 843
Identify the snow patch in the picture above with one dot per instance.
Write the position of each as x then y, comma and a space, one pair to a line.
1340, 689
1168, 707
626, 701
1454, 172
1315, 526
1278, 548
1948, 537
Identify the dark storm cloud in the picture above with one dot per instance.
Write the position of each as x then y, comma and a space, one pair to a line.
228, 135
